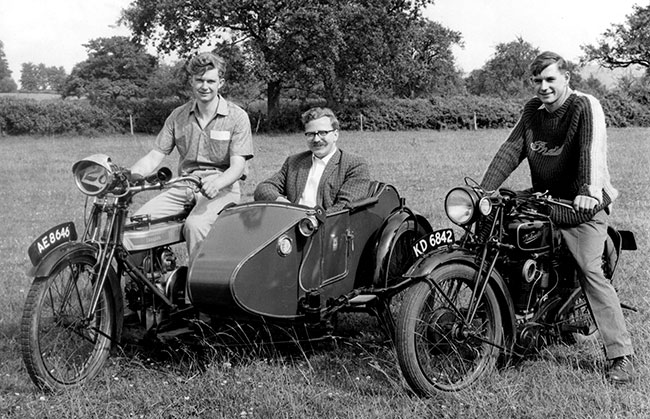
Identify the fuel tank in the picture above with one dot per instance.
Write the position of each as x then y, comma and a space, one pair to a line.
532, 235
142, 237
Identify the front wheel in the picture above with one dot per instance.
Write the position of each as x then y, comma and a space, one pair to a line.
61, 344
438, 347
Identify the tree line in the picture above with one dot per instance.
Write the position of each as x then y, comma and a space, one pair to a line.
331, 51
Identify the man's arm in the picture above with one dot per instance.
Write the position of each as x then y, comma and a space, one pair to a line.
147, 164
592, 166
355, 185
211, 185
273, 188
506, 160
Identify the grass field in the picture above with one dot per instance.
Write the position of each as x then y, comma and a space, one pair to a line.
353, 376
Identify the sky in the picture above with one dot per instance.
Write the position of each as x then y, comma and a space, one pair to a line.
52, 32
561, 26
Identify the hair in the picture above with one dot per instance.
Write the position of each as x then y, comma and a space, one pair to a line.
317, 113
205, 61
545, 59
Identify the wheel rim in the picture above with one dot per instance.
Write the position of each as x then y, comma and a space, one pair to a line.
452, 353
70, 347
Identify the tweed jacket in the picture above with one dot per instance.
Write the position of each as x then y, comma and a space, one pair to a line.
346, 179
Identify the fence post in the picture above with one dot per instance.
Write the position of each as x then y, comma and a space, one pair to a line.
475, 125
361, 121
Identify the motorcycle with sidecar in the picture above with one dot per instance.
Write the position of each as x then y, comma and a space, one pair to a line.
273, 262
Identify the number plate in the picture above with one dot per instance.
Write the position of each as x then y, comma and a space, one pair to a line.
49, 240
432, 241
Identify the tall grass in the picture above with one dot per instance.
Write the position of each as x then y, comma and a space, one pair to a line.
353, 375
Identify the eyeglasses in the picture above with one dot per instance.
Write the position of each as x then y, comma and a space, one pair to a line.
321, 134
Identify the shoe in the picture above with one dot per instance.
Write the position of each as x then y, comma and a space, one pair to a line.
622, 370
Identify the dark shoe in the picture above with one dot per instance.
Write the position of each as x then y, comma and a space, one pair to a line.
622, 370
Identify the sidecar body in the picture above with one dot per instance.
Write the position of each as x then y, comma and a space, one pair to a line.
273, 259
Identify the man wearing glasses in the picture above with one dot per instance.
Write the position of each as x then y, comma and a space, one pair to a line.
325, 175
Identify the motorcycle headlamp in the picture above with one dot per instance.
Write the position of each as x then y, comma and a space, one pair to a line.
462, 204
94, 175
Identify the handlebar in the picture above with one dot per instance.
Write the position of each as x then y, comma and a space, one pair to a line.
542, 197
163, 183
558, 201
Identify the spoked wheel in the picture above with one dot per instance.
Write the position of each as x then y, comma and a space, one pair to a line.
61, 345
576, 324
437, 348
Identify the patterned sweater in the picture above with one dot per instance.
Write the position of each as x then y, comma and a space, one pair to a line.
566, 152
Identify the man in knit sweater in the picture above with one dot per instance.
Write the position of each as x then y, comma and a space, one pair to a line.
562, 134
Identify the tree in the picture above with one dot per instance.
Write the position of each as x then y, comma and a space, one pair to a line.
624, 44
30, 79
168, 82
116, 70
55, 77
7, 84
426, 65
506, 74
323, 46
40, 77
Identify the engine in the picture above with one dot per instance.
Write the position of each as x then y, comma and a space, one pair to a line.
158, 265
527, 266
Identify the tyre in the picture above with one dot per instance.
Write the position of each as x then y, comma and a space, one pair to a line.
59, 345
437, 349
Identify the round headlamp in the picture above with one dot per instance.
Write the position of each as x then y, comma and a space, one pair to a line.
308, 226
485, 205
461, 204
94, 175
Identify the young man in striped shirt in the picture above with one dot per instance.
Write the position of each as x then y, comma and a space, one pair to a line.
563, 136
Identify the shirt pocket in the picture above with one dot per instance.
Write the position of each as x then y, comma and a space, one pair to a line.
219, 146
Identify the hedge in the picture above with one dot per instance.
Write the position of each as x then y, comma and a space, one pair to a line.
21, 116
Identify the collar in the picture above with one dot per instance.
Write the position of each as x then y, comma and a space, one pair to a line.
325, 159
222, 106
563, 105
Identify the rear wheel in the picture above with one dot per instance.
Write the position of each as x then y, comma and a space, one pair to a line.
437, 349
61, 344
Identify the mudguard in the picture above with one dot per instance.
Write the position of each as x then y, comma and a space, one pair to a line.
386, 237
66, 250
448, 255
50, 261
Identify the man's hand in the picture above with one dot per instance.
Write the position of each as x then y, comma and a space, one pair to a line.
211, 185
584, 203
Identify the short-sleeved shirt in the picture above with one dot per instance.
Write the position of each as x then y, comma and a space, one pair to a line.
227, 134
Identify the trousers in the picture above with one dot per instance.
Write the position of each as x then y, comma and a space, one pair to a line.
586, 243
203, 214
